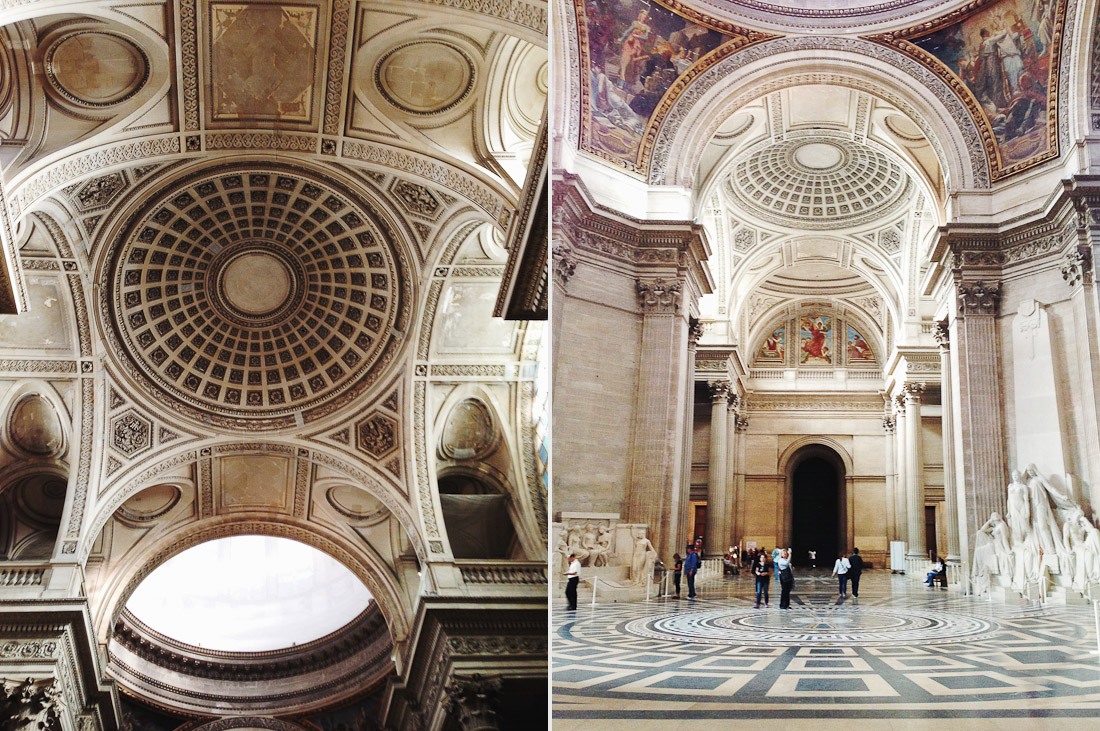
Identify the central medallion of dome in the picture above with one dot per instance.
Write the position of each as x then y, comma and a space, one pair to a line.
256, 283
818, 180
248, 298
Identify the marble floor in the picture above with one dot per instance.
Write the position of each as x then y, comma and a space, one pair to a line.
900, 656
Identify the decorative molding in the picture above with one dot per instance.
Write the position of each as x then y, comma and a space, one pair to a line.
334, 88
260, 141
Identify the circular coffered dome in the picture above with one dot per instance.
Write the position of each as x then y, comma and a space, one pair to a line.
245, 297
817, 182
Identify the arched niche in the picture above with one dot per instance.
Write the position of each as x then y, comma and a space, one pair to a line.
801, 456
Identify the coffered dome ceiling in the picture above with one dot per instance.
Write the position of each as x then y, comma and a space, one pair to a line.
817, 181
245, 295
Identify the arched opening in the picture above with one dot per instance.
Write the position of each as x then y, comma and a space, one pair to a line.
818, 506
477, 518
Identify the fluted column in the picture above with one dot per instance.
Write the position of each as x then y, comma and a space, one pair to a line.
740, 498
680, 507
902, 512
914, 475
950, 493
1078, 271
718, 502
657, 444
975, 354
733, 439
889, 426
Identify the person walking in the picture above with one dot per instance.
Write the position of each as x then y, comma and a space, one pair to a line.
856, 562
786, 577
762, 572
840, 571
677, 569
775, 557
691, 566
574, 576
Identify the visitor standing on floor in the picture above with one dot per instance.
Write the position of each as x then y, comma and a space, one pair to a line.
691, 566
840, 571
762, 572
775, 557
786, 577
677, 569
574, 576
856, 562
813, 558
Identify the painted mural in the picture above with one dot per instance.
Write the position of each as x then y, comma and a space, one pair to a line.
633, 52
1005, 54
816, 334
774, 347
858, 349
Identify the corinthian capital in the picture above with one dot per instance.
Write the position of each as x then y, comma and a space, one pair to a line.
1077, 268
719, 391
660, 297
474, 700
913, 392
979, 298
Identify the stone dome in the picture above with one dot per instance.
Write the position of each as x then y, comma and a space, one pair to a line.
246, 296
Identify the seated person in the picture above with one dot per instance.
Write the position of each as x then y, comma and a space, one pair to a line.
938, 570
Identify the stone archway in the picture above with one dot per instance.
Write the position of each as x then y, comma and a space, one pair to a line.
817, 499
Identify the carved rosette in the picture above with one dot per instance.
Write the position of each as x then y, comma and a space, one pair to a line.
979, 298
660, 297
473, 701
1077, 268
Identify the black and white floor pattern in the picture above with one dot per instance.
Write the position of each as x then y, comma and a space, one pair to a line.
900, 650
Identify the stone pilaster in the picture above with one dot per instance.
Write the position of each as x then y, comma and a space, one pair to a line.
976, 352
914, 477
900, 516
1078, 272
741, 426
657, 446
719, 503
950, 493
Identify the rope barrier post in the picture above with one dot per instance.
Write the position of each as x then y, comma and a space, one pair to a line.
595, 583
648, 585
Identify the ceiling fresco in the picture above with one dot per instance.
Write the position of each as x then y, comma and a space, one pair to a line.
1002, 60
639, 57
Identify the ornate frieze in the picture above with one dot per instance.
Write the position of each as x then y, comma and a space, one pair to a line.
659, 297
979, 298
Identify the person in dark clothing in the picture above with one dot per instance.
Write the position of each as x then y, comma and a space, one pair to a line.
691, 566
853, 573
677, 568
762, 571
786, 578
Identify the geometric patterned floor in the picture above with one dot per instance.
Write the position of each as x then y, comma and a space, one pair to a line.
899, 651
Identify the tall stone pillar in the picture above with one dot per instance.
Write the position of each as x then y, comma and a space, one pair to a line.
734, 440
978, 402
740, 498
659, 411
914, 479
1078, 272
950, 494
901, 516
718, 492
680, 507
889, 426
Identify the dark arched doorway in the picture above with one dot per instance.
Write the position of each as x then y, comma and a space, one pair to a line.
816, 510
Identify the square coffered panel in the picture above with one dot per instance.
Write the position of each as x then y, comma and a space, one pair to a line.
261, 64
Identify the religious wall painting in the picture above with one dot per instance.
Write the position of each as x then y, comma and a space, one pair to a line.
637, 56
1002, 60
858, 349
774, 347
816, 337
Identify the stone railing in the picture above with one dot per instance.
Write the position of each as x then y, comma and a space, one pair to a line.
22, 574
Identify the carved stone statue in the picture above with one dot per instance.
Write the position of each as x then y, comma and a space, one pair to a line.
643, 560
576, 548
597, 553
992, 553
1019, 509
1043, 522
1083, 541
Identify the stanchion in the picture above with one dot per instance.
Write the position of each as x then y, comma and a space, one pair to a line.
595, 583
1094, 597
648, 585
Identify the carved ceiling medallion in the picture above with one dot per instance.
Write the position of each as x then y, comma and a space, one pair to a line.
427, 77
246, 297
96, 69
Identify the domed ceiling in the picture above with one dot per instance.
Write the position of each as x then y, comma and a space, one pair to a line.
244, 296
817, 181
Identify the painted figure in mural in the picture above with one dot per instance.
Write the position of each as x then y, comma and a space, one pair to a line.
815, 346
858, 349
633, 50
772, 349
990, 73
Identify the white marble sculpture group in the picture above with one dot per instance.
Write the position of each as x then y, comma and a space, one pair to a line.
1044, 532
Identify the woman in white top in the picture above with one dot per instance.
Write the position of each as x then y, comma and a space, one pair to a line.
786, 577
840, 571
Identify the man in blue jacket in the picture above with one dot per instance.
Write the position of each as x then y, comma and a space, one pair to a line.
691, 565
